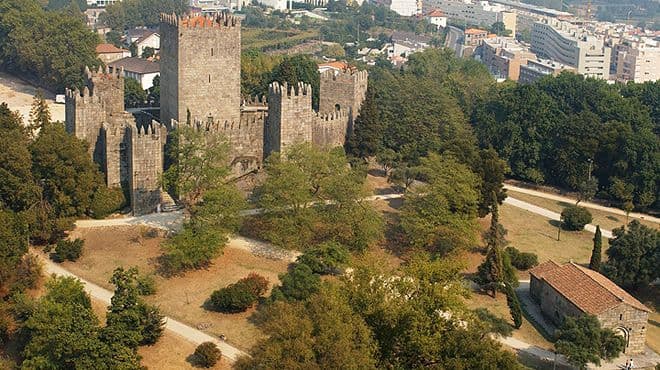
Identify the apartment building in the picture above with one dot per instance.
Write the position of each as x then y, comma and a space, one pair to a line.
636, 60
572, 45
477, 13
538, 68
503, 56
406, 8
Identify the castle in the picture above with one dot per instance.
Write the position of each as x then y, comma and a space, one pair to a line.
200, 86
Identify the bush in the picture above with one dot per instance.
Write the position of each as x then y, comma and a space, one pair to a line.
239, 296
68, 250
207, 354
522, 260
575, 218
146, 284
326, 258
106, 201
28, 272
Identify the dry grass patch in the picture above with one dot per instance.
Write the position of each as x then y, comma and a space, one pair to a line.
606, 220
180, 297
530, 232
173, 352
497, 306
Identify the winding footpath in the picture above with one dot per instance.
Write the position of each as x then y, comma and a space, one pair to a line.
184, 331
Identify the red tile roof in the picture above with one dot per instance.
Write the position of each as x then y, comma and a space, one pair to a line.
338, 65
475, 31
590, 291
108, 49
436, 13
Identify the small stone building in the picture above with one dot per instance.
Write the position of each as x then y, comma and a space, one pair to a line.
572, 290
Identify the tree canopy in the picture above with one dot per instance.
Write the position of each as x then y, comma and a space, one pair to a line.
633, 256
136, 13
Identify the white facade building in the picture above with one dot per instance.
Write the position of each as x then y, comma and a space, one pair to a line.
569, 44
477, 13
406, 8
100, 3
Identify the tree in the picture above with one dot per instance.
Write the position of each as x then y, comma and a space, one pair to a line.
491, 169
148, 52
499, 29
587, 190
18, 190
582, 340
239, 296
521, 260
367, 137
633, 256
130, 321
70, 177
62, 331
68, 250
321, 332
298, 284
140, 13
153, 93
575, 218
39, 113
441, 216
313, 195
514, 306
207, 354
594, 262
13, 246
325, 258
418, 316
134, 95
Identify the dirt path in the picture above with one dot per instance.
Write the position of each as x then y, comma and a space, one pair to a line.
583, 204
18, 96
186, 332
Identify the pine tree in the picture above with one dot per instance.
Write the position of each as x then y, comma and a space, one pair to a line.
366, 139
514, 306
491, 273
594, 263
39, 114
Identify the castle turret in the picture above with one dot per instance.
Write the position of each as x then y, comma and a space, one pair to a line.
343, 90
200, 67
145, 166
290, 116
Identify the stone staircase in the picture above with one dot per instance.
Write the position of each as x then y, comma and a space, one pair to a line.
167, 203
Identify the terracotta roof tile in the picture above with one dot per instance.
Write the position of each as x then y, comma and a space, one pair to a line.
475, 31
107, 49
436, 13
541, 269
590, 291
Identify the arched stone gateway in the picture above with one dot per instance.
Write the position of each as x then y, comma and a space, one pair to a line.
625, 333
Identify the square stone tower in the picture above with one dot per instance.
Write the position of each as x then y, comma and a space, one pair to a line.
200, 68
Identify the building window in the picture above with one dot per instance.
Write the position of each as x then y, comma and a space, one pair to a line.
620, 317
211, 51
209, 78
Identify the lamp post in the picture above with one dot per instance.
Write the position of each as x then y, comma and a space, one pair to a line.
561, 219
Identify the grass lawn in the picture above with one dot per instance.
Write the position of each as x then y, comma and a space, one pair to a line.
606, 220
180, 297
530, 232
497, 306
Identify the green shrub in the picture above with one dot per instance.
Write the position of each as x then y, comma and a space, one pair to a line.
207, 354
239, 296
575, 218
522, 260
146, 284
105, 201
325, 258
151, 321
68, 250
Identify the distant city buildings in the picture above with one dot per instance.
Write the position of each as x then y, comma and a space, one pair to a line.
100, 3
504, 56
636, 60
477, 13
437, 17
406, 8
538, 68
108, 53
573, 45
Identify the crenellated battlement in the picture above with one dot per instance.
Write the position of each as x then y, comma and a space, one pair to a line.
337, 116
255, 101
299, 89
222, 20
353, 75
104, 73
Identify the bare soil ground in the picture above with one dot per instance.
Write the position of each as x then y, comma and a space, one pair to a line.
18, 96
180, 297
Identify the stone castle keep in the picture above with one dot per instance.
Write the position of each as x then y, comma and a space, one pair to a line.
200, 85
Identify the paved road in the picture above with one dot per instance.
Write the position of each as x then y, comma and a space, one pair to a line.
453, 40
186, 332
583, 204
549, 214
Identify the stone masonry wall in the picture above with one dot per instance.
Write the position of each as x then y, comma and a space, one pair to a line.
201, 69
629, 322
145, 167
290, 116
344, 90
554, 306
329, 130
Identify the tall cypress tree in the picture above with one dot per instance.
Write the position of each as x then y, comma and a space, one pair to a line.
490, 273
594, 263
514, 306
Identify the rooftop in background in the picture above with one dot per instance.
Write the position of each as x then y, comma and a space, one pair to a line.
435, 13
337, 65
108, 49
534, 8
136, 65
590, 291
475, 31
